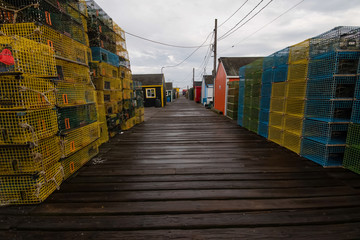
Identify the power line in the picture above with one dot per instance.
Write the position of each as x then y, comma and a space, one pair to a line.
294, 6
241, 20
233, 13
248, 20
176, 65
161, 43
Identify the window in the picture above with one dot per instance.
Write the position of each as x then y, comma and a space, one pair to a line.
150, 93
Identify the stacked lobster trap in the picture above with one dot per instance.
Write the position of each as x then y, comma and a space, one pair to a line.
57, 127
29, 147
139, 102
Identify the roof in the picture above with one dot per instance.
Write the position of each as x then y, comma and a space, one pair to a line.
169, 85
149, 79
209, 79
232, 64
197, 84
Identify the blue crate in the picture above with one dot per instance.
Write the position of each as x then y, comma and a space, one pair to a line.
331, 63
264, 116
102, 55
266, 90
355, 116
338, 87
325, 132
241, 95
265, 103
263, 129
323, 154
281, 57
241, 83
280, 73
329, 111
240, 120
267, 76
269, 62
357, 88
338, 38
242, 72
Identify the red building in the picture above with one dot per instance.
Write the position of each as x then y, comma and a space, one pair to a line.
197, 92
227, 71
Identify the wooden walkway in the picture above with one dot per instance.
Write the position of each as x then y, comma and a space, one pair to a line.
188, 173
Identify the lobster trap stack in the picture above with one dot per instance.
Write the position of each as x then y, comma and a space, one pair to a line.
111, 71
29, 147
139, 102
61, 27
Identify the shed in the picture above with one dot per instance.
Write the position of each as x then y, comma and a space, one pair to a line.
227, 71
153, 86
207, 89
197, 92
169, 92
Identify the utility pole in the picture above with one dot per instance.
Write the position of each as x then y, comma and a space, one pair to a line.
193, 77
215, 59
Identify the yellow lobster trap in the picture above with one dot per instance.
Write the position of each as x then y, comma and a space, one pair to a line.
30, 189
21, 55
72, 72
26, 92
103, 69
113, 95
100, 97
64, 46
104, 133
101, 113
77, 160
24, 127
70, 94
107, 83
23, 159
73, 141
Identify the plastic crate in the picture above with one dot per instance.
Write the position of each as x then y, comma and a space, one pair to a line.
71, 94
22, 55
266, 90
73, 141
265, 103
64, 46
323, 154
264, 116
280, 74
254, 114
241, 95
339, 38
246, 122
353, 136
24, 159
25, 92
355, 115
292, 141
299, 51
329, 111
254, 125
325, 132
334, 63
255, 102
298, 71
30, 189
352, 159
293, 124
296, 89
263, 129
276, 135
267, 76
24, 127
278, 90
295, 106
281, 57
331, 88
102, 55
72, 72
277, 105
276, 119
76, 116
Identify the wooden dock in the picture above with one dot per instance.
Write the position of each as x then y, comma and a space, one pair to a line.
188, 173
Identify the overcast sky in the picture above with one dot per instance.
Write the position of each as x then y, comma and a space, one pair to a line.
189, 23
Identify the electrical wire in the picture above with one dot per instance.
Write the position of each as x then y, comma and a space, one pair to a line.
233, 14
241, 20
267, 24
248, 20
176, 65
161, 43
